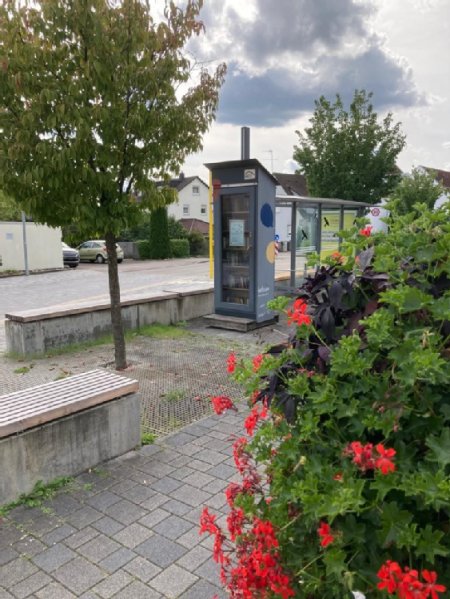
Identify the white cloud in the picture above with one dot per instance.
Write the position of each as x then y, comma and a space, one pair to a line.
283, 55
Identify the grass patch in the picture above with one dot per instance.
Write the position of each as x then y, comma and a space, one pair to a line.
174, 395
38, 495
155, 331
23, 369
160, 331
148, 438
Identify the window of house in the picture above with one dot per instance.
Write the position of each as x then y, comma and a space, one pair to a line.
203, 209
195, 189
185, 209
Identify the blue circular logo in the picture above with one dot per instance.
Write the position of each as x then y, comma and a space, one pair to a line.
267, 215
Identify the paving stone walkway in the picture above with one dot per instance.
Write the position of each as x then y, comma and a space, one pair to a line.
129, 529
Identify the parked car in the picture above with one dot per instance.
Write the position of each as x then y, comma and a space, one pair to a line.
71, 257
94, 250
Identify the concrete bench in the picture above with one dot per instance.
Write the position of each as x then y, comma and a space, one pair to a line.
64, 427
34, 332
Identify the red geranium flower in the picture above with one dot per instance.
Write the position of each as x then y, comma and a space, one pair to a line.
257, 361
431, 588
384, 462
221, 403
207, 522
366, 231
405, 582
338, 257
253, 418
231, 363
362, 455
298, 314
390, 573
324, 531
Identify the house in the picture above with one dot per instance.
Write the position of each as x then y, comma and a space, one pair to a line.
192, 201
443, 177
194, 224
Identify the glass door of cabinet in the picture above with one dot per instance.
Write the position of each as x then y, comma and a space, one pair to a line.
236, 249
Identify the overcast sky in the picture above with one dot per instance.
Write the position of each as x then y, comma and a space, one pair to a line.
284, 54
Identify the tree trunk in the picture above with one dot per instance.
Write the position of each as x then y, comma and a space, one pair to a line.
114, 294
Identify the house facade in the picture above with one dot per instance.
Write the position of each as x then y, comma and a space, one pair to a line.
192, 203
443, 177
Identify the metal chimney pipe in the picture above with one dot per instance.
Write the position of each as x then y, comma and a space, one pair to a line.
245, 143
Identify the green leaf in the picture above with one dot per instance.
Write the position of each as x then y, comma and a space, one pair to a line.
440, 448
440, 308
384, 484
406, 299
429, 545
394, 521
334, 559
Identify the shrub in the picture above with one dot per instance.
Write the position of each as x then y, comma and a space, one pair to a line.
349, 471
197, 243
143, 247
176, 229
179, 248
139, 231
159, 235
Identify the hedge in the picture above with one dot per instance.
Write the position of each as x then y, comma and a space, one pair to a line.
179, 248
143, 247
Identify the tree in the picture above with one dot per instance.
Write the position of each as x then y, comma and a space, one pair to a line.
9, 210
420, 187
159, 234
95, 105
349, 154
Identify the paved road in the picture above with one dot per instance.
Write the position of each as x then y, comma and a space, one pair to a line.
89, 282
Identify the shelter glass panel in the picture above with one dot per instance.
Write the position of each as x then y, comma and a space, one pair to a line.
307, 230
331, 218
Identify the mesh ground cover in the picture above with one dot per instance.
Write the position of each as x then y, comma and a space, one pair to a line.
176, 376
176, 380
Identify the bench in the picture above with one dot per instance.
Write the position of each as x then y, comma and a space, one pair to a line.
64, 427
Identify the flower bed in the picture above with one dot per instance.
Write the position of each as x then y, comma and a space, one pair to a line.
346, 460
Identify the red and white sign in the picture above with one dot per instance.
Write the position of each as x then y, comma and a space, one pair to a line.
375, 212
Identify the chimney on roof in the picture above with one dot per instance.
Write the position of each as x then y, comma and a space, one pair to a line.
245, 143
181, 176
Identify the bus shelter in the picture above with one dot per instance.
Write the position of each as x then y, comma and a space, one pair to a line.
314, 227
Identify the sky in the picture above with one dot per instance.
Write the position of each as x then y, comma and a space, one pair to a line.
283, 54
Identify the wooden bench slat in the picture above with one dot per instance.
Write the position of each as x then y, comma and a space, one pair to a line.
39, 404
75, 381
42, 403
49, 394
41, 399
